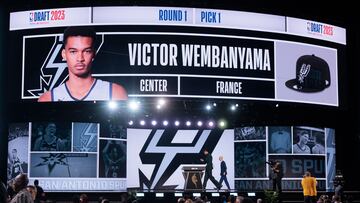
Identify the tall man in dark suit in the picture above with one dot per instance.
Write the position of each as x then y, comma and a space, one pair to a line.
223, 172
277, 176
208, 170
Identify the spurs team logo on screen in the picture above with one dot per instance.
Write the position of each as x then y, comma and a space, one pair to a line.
304, 71
167, 151
52, 160
166, 157
52, 72
85, 137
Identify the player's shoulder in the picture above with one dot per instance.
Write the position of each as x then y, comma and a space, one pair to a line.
119, 92
46, 97
37, 143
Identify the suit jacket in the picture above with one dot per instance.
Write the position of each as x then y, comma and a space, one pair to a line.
208, 161
277, 172
223, 168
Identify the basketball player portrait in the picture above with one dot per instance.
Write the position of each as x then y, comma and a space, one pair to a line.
50, 141
79, 53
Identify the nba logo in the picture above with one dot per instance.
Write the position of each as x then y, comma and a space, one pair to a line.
31, 17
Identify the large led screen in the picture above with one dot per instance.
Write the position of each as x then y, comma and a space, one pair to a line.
168, 51
67, 156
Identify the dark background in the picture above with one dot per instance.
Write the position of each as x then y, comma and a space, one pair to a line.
249, 112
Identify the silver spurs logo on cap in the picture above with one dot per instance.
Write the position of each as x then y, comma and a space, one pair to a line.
303, 72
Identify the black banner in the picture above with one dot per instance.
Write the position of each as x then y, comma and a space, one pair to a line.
152, 64
227, 87
296, 166
261, 185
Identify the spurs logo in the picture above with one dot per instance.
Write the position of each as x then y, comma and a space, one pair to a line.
87, 138
167, 157
53, 70
304, 71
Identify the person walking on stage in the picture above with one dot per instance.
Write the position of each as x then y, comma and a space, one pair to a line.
208, 170
223, 172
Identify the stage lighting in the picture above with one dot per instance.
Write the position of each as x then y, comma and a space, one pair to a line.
199, 123
197, 194
233, 107
140, 194
235, 194
211, 124
153, 123
215, 194
165, 123
142, 122
251, 194
222, 124
214, 104
112, 105
161, 102
159, 194
208, 107
188, 123
131, 122
178, 194
134, 105
177, 123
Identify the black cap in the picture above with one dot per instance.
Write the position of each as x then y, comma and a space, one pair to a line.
312, 74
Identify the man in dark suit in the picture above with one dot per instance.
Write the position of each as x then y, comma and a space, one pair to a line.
208, 170
277, 176
223, 172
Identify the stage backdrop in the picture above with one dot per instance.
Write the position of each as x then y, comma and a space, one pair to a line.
91, 157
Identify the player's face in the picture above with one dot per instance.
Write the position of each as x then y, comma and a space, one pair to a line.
51, 129
114, 153
79, 54
14, 154
305, 138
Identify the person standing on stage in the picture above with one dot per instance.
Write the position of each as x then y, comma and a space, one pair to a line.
223, 172
308, 184
277, 175
208, 170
